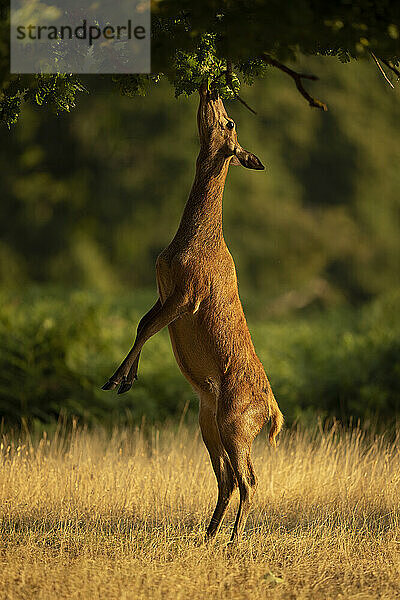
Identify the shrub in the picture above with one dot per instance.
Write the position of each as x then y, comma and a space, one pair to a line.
58, 347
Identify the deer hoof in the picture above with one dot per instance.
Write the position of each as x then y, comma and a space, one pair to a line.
124, 387
110, 385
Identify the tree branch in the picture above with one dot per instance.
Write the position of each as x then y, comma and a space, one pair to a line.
297, 77
228, 76
378, 64
391, 67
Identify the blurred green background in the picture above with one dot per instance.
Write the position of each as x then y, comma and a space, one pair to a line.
89, 199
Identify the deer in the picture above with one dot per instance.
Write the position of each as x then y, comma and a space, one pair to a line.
199, 303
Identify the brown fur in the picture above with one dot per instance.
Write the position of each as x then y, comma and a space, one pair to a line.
200, 304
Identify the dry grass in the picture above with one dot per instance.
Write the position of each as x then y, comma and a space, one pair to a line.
93, 517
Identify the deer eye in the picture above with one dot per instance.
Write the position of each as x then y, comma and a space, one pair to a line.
230, 124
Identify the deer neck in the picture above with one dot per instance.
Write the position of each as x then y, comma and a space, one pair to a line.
202, 217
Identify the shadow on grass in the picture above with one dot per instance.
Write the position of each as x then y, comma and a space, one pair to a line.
126, 528
322, 518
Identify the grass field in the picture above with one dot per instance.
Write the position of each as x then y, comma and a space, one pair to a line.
121, 516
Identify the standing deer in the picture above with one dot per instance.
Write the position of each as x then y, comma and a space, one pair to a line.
200, 304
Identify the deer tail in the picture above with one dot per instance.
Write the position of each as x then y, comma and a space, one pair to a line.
276, 419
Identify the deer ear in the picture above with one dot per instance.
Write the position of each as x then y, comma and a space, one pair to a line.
235, 161
248, 160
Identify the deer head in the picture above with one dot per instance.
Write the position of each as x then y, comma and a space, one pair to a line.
217, 132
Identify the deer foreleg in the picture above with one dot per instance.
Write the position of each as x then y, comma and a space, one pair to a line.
159, 316
132, 375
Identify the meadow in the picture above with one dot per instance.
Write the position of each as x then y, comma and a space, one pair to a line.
122, 515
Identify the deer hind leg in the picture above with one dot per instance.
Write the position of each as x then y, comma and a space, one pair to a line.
156, 319
238, 430
226, 478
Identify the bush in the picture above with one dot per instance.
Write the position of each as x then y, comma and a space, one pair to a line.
58, 348
343, 364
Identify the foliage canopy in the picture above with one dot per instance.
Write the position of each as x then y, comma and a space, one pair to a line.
224, 42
